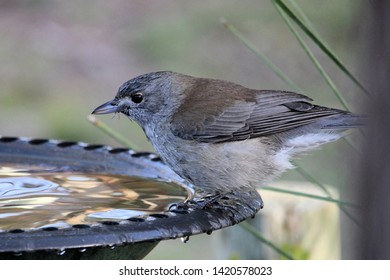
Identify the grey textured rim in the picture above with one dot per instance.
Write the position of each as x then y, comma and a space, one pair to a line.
83, 157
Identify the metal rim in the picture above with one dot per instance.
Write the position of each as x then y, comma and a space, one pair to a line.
235, 208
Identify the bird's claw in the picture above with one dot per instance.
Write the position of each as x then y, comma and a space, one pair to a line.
201, 203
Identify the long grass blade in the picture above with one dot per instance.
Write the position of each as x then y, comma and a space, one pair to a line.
304, 18
310, 178
260, 55
320, 43
312, 57
112, 133
248, 227
328, 199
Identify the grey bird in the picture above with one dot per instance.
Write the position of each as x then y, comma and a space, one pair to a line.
220, 136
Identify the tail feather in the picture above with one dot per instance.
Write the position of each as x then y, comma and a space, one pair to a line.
344, 121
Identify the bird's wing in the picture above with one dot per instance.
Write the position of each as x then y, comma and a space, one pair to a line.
267, 113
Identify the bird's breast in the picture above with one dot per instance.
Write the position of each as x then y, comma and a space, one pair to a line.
211, 166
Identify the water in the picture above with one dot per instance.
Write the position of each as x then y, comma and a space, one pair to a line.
32, 197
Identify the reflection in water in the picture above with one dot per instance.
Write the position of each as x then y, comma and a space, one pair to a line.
32, 197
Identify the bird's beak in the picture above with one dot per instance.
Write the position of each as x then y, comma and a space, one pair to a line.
107, 108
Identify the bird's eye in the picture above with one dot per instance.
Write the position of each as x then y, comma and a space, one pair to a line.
137, 97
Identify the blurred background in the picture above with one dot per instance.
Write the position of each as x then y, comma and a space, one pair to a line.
61, 59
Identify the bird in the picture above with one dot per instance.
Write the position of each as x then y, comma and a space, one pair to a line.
220, 136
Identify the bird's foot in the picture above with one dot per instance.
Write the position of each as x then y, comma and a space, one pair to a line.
199, 203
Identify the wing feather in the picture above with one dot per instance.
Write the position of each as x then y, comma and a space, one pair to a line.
263, 113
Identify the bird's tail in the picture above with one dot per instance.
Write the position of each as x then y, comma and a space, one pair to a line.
344, 121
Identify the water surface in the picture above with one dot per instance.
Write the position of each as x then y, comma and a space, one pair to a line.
33, 197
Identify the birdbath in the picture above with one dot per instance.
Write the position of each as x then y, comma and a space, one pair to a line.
72, 200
